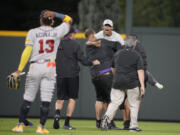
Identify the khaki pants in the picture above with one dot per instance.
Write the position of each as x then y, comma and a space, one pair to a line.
117, 97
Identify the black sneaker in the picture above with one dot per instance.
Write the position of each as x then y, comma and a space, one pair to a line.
126, 125
28, 123
113, 126
56, 122
98, 124
135, 130
68, 127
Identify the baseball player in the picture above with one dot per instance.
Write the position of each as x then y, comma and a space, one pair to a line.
40, 47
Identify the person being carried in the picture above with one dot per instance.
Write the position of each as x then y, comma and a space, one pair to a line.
149, 78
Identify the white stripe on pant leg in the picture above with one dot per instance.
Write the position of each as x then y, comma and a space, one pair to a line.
117, 97
133, 100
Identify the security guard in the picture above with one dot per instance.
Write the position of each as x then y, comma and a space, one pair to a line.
103, 50
128, 79
67, 68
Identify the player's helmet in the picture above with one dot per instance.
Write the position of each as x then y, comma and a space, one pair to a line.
46, 20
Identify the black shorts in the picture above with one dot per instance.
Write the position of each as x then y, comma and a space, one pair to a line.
67, 88
102, 86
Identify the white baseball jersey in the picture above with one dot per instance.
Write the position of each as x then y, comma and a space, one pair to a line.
45, 41
114, 37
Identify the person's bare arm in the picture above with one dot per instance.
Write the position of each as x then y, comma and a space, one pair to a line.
113, 70
95, 43
141, 80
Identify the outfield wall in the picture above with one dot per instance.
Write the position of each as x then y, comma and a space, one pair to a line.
162, 47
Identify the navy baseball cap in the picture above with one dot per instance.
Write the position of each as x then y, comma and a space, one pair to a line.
73, 30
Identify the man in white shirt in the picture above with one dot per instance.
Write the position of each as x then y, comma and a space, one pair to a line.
108, 33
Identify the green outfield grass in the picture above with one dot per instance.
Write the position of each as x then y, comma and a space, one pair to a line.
87, 127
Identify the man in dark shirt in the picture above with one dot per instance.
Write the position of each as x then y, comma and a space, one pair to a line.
103, 50
149, 78
128, 79
67, 69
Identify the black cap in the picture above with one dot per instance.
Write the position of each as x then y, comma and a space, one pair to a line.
72, 30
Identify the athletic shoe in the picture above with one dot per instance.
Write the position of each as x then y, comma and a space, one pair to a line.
113, 126
19, 128
56, 122
159, 86
68, 127
28, 123
126, 124
105, 123
41, 129
135, 130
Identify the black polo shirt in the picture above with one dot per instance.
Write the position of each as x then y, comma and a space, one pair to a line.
126, 63
104, 54
67, 57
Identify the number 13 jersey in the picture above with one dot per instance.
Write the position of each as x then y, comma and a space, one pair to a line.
45, 41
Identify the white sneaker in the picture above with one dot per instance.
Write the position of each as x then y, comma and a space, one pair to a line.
159, 86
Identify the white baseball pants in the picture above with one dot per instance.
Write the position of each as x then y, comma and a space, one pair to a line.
43, 77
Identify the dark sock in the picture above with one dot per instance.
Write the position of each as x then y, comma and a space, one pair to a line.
113, 123
98, 121
57, 112
25, 107
44, 111
67, 121
127, 124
